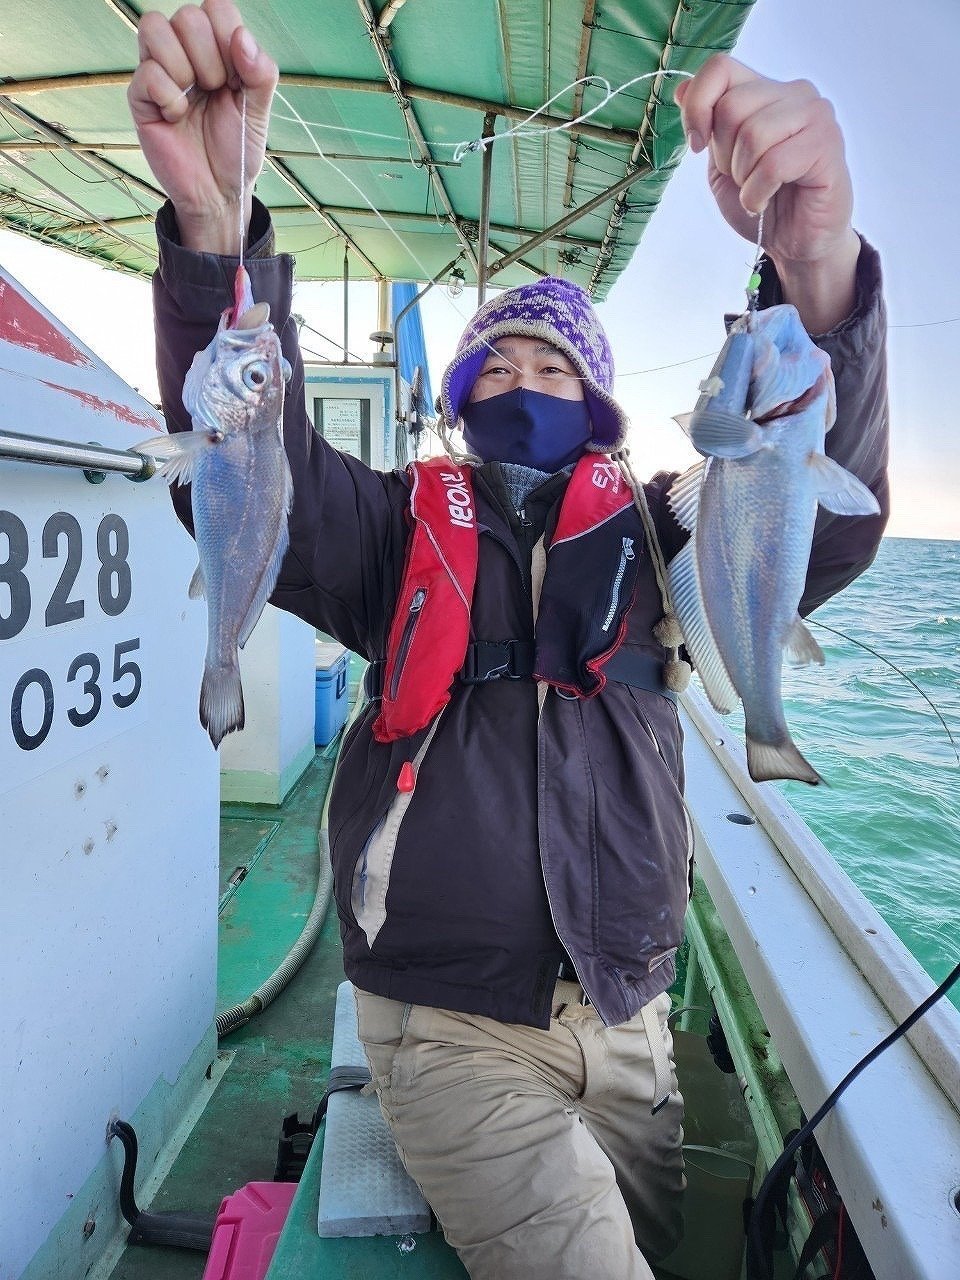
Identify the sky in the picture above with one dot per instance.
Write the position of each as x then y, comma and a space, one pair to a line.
879, 63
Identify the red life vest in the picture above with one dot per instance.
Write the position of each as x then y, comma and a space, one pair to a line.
430, 630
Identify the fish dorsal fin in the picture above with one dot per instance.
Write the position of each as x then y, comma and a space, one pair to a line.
800, 645
839, 490
198, 587
272, 571
687, 598
683, 497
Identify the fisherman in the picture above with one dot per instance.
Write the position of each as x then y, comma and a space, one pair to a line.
512, 859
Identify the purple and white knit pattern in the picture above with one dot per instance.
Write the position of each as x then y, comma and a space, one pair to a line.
560, 313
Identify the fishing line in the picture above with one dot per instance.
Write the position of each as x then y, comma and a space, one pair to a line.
427, 273
519, 130
302, 324
243, 168
759, 1242
893, 666
635, 373
926, 324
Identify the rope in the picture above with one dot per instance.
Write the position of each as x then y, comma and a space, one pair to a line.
676, 672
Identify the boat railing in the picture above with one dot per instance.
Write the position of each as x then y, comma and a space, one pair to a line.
831, 981
95, 460
890, 970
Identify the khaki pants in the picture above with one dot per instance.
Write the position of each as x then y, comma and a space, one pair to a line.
536, 1150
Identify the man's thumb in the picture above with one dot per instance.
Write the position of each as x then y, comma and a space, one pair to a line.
257, 70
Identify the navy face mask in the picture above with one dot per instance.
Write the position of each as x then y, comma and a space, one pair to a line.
536, 430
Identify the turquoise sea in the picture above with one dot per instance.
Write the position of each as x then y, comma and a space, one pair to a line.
891, 812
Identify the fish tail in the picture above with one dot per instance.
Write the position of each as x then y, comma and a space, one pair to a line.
768, 760
221, 700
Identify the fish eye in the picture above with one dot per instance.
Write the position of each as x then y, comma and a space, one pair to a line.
256, 375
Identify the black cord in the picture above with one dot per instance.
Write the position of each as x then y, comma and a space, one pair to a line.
759, 1243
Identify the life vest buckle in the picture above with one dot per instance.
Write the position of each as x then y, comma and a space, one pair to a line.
497, 660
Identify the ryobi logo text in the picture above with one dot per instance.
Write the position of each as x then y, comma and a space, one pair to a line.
458, 499
606, 475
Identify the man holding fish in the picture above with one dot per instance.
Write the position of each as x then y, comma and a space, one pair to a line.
511, 856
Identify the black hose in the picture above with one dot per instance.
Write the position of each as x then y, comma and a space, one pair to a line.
181, 1230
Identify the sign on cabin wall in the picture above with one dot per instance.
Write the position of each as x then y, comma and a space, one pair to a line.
352, 407
345, 424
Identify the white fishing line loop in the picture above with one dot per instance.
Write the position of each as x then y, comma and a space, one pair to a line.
521, 130
753, 284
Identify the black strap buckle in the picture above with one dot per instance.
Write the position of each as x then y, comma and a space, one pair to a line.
497, 660
484, 660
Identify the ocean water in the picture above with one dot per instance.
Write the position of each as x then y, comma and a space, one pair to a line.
891, 812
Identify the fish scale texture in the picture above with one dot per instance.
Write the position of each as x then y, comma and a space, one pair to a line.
364, 1188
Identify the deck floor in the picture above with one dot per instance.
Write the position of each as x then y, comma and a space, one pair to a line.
281, 1058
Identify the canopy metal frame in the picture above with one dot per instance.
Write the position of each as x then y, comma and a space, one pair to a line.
676, 32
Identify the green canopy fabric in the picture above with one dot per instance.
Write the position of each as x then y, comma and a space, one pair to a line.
389, 88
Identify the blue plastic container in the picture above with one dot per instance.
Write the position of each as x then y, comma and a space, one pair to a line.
331, 710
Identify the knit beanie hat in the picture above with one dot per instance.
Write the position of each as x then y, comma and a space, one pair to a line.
560, 313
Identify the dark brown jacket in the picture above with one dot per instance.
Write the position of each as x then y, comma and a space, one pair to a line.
517, 834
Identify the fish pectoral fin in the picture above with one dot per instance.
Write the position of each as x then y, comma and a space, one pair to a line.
839, 490
198, 588
718, 433
683, 497
176, 453
687, 598
800, 644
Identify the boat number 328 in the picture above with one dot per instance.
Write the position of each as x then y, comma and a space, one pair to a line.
89, 678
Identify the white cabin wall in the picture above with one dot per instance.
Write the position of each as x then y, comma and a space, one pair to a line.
109, 821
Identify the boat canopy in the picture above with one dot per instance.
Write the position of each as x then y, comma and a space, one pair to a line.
388, 89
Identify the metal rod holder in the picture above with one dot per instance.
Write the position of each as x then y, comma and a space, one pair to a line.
93, 459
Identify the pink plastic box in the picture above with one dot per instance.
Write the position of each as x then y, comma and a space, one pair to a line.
248, 1226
